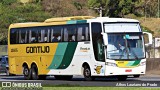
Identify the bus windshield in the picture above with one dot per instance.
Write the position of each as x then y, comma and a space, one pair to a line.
125, 46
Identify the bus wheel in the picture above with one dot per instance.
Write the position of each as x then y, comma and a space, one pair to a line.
122, 78
34, 72
26, 73
87, 73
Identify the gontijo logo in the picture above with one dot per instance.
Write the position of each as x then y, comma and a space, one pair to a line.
38, 49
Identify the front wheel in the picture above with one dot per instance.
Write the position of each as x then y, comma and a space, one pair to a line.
87, 74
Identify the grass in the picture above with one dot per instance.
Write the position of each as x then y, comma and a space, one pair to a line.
152, 24
98, 88
92, 88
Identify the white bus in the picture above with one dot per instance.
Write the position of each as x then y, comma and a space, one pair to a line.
80, 45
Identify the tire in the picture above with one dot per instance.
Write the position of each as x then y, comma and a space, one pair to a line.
26, 73
87, 74
34, 72
122, 78
63, 77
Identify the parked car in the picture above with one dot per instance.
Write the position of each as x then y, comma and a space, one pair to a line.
4, 68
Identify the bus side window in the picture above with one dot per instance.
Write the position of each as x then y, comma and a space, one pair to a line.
79, 35
87, 33
72, 33
65, 34
42, 35
14, 36
26, 36
32, 36
22, 36
83, 32
48, 35
56, 33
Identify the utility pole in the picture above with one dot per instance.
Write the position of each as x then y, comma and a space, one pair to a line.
158, 8
146, 8
100, 10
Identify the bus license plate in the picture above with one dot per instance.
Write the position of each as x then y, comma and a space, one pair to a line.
128, 70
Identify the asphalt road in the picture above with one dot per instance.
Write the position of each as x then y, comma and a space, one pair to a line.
145, 81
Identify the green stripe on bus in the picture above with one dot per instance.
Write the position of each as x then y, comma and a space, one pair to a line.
130, 63
58, 57
68, 56
76, 21
136, 62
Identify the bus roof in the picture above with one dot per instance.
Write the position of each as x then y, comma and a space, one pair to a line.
107, 19
63, 20
51, 21
60, 19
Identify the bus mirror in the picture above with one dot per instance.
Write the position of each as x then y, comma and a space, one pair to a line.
148, 38
105, 38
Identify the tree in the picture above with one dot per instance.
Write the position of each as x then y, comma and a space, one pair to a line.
115, 8
100, 3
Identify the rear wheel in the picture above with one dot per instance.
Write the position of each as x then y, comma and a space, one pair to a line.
26, 73
87, 73
34, 72
122, 78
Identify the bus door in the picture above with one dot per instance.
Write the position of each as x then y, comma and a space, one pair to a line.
100, 57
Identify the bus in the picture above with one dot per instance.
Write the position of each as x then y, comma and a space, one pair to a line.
78, 45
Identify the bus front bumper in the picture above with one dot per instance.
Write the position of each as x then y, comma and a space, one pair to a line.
110, 70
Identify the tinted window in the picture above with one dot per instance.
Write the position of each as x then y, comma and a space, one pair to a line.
97, 41
56, 33
63, 33
14, 36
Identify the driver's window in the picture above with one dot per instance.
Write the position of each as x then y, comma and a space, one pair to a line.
100, 49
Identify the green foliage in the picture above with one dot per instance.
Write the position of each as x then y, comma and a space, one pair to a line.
145, 29
12, 12
8, 2
100, 3
77, 5
116, 8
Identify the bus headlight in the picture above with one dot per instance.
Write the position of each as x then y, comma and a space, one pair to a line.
143, 63
111, 64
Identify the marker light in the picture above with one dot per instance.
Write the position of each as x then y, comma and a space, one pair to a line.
143, 63
111, 64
